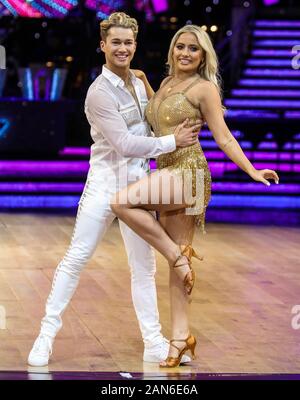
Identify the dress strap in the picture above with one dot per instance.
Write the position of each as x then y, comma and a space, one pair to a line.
191, 85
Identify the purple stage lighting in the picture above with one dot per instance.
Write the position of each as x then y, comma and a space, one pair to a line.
254, 187
41, 187
270, 2
263, 103
160, 5
276, 24
270, 82
272, 72
251, 114
272, 53
276, 43
227, 201
105, 7
268, 63
274, 34
35, 201
242, 201
265, 93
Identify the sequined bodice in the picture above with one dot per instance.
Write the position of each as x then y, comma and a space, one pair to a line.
164, 115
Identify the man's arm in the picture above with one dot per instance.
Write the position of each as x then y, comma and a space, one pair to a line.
103, 114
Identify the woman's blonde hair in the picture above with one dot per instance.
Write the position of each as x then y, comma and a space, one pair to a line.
209, 66
118, 19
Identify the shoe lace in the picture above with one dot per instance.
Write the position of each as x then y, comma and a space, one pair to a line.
43, 342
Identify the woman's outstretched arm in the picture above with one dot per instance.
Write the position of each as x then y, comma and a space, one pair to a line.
211, 108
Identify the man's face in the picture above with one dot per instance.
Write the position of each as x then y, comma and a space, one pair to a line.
119, 47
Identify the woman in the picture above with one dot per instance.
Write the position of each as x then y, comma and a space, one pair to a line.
190, 91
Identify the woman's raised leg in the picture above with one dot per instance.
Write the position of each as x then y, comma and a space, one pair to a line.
161, 191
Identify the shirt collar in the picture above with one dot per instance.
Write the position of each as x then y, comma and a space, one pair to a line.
114, 78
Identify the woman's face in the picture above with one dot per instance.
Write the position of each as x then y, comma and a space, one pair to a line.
187, 53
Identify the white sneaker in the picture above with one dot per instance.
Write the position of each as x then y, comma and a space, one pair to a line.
41, 351
159, 352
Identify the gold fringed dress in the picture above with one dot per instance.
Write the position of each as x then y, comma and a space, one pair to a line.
164, 115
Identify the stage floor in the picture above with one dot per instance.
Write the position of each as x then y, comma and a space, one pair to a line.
241, 313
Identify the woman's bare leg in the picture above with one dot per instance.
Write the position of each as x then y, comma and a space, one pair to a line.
156, 192
180, 227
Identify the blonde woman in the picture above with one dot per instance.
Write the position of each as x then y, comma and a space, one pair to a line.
190, 91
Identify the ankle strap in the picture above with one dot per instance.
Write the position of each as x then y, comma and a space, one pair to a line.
183, 262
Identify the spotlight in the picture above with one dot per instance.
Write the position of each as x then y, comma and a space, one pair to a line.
173, 19
49, 64
229, 33
208, 9
69, 59
189, 22
213, 28
204, 27
37, 35
246, 4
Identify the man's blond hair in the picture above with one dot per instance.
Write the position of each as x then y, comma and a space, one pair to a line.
118, 19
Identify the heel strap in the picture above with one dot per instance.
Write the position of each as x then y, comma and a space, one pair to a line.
187, 252
184, 262
174, 345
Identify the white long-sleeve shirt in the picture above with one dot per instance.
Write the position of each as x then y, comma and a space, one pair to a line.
119, 130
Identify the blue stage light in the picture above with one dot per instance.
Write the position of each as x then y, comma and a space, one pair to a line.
4, 127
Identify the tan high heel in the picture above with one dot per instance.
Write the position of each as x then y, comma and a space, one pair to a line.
190, 277
190, 344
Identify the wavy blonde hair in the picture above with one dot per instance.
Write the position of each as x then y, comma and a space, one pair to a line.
118, 19
209, 66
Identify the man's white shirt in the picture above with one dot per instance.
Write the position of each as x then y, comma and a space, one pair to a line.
122, 137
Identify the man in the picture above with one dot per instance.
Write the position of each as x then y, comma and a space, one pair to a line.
114, 107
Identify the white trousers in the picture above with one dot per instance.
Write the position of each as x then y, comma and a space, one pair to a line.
94, 216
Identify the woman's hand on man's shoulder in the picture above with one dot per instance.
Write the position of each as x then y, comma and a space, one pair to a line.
139, 73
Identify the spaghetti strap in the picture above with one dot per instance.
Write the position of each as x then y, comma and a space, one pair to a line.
191, 85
